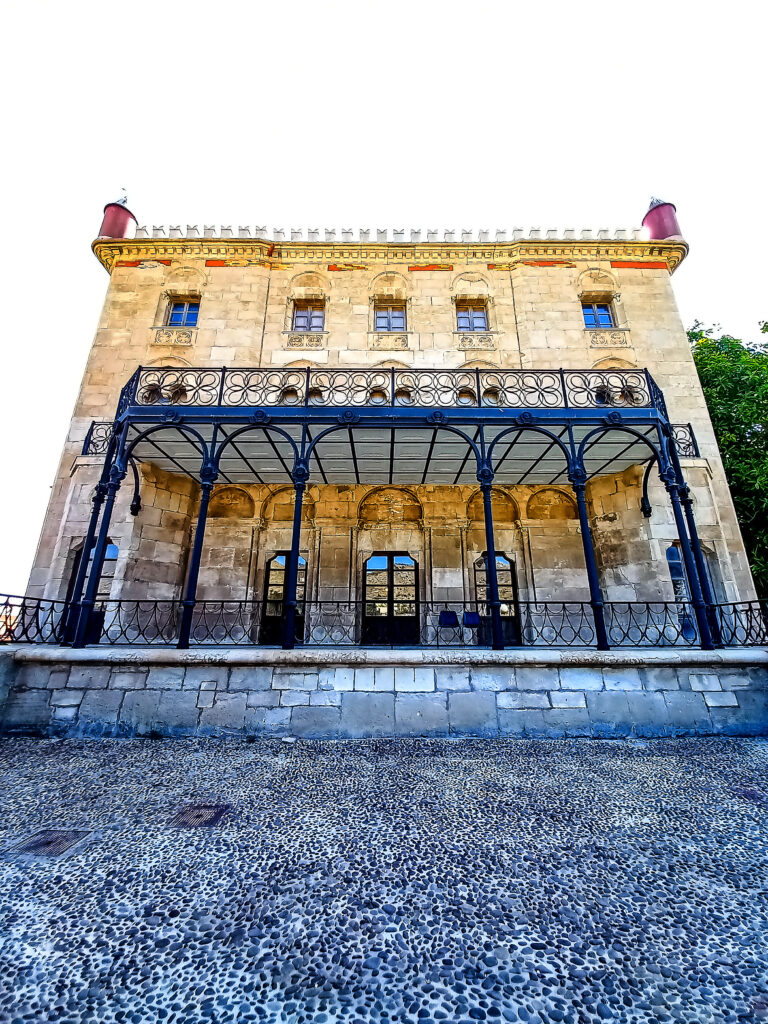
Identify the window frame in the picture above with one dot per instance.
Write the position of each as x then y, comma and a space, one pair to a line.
594, 305
472, 307
186, 304
387, 307
307, 307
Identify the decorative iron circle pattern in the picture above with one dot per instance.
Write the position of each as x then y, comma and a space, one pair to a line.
510, 389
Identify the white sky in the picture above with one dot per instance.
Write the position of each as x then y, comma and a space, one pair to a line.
426, 113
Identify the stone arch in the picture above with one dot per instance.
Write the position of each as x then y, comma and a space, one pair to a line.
173, 362
231, 503
278, 506
308, 285
551, 503
391, 364
389, 284
185, 277
391, 505
595, 281
470, 285
611, 363
503, 505
479, 364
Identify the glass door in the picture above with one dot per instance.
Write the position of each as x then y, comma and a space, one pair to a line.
274, 594
510, 618
390, 600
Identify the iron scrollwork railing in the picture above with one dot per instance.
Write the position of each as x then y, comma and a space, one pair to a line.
511, 389
98, 437
685, 441
148, 622
32, 620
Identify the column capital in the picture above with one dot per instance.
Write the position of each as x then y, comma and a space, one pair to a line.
300, 474
485, 474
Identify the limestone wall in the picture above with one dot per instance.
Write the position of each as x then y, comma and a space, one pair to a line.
391, 693
535, 321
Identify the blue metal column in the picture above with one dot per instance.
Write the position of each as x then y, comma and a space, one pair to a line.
669, 478
208, 477
116, 477
299, 476
485, 479
578, 479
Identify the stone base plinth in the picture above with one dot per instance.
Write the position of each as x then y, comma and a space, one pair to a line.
336, 693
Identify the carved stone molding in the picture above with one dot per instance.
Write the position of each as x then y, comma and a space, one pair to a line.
608, 339
387, 342
471, 342
174, 336
243, 252
305, 340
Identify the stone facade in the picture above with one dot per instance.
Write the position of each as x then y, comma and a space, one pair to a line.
532, 291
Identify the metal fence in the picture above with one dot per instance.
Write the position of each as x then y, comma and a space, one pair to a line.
347, 623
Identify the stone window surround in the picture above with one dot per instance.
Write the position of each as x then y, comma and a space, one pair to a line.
480, 298
170, 295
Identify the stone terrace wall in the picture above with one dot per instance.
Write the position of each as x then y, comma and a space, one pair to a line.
337, 694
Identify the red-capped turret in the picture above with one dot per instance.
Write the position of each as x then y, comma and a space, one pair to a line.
118, 221
661, 221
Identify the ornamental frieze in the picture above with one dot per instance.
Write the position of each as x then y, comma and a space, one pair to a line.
388, 342
174, 336
608, 339
472, 342
305, 341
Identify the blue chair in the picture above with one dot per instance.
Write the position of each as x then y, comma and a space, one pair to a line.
471, 620
448, 619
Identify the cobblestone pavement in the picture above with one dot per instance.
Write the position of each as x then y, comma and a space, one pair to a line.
363, 881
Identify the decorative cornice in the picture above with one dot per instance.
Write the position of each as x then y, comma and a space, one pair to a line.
505, 256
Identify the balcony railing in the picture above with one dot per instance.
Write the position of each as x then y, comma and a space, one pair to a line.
478, 388
341, 623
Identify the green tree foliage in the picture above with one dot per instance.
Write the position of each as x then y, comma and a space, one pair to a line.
734, 376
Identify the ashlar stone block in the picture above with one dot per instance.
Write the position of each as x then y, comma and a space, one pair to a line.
421, 715
622, 679
609, 714
227, 713
315, 722
568, 699
165, 677
367, 714
250, 678
423, 680
501, 677
516, 699
724, 699
530, 678
472, 714
581, 679
448, 677
289, 679
704, 681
